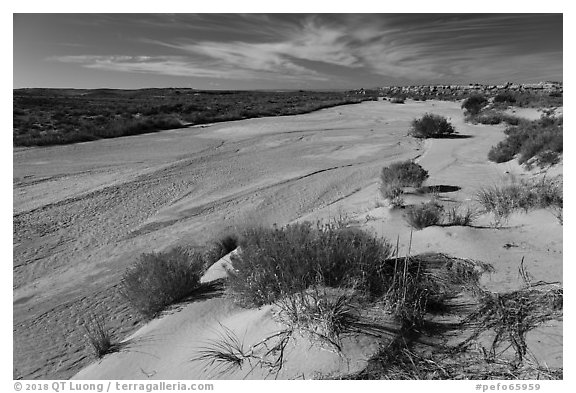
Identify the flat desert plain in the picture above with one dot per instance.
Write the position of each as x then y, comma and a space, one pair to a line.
84, 212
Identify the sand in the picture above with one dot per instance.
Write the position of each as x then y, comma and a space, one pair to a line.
84, 212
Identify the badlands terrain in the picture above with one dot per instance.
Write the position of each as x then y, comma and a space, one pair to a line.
84, 212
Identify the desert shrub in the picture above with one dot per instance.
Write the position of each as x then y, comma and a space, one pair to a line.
276, 262
503, 200
398, 100
393, 192
492, 117
431, 126
528, 99
505, 97
549, 140
474, 104
548, 158
157, 280
399, 175
502, 152
424, 215
404, 174
529, 140
222, 246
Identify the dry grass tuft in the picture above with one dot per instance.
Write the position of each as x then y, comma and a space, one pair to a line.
325, 315
228, 353
424, 215
512, 315
99, 337
524, 195
461, 216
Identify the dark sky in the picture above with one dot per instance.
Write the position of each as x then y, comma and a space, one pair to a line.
283, 51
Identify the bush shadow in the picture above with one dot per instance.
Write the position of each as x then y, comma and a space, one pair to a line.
440, 188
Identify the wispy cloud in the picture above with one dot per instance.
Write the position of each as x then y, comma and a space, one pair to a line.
319, 47
171, 65
310, 43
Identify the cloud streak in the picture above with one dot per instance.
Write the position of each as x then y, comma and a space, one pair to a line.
174, 66
326, 49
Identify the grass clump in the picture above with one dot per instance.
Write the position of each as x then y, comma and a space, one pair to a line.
99, 337
432, 213
424, 283
431, 126
541, 140
503, 200
424, 215
277, 262
157, 280
458, 216
324, 315
510, 316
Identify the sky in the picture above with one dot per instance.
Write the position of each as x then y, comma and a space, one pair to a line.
283, 51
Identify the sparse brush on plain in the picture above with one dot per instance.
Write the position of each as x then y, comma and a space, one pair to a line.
157, 280
506, 199
99, 337
62, 117
398, 100
276, 262
431, 126
424, 215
